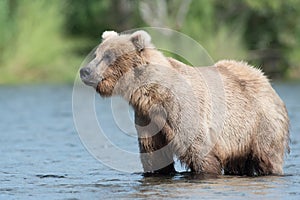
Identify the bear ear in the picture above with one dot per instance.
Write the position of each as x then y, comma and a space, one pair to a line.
141, 40
108, 34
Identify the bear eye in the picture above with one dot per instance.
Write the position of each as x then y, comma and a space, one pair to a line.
108, 57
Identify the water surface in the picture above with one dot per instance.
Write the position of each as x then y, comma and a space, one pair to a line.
42, 156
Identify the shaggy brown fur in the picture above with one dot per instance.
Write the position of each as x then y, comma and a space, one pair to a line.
221, 118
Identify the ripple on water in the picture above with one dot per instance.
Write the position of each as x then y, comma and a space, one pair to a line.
43, 158
50, 176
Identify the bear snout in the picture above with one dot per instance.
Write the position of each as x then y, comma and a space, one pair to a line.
85, 72
87, 77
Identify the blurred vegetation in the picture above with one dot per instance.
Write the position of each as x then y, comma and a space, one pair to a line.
33, 46
45, 41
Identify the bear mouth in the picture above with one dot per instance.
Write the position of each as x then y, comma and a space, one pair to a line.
93, 82
89, 83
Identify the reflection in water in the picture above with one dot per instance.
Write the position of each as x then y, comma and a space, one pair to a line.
43, 158
193, 185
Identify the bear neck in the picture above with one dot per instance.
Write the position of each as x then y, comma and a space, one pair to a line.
150, 100
142, 87
155, 57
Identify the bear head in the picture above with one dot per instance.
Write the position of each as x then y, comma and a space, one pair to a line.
114, 57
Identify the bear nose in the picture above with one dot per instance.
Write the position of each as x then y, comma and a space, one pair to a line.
85, 72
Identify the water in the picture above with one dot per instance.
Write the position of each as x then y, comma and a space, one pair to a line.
42, 156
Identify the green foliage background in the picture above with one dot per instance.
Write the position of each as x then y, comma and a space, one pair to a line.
45, 41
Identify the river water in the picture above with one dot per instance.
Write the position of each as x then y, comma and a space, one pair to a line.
42, 156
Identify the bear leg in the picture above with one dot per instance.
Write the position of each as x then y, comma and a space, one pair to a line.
156, 155
170, 169
240, 166
267, 164
158, 163
268, 148
210, 165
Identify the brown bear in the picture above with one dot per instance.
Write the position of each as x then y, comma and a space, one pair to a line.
224, 118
